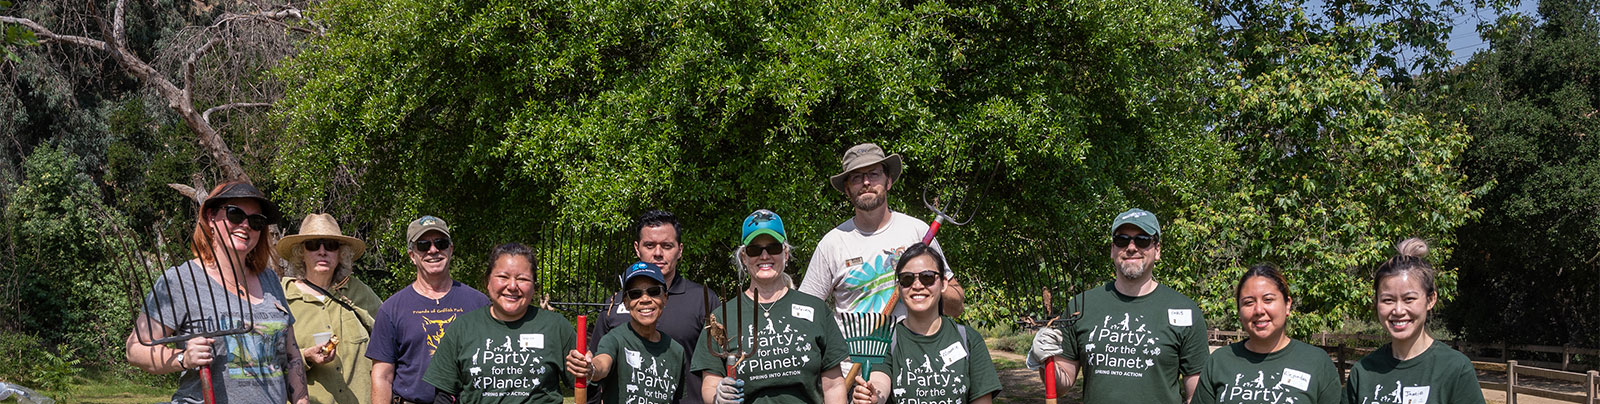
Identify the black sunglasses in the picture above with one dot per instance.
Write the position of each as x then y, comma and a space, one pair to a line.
755, 250
321, 244
927, 277
236, 215
1142, 240
423, 245
653, 291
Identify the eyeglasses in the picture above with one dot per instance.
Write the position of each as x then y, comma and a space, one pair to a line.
874, 176
321, 244
927, 277
755, 250
236, 215
424, 245
1142, 240
653, 291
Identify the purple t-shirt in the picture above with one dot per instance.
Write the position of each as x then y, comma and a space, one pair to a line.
407, 331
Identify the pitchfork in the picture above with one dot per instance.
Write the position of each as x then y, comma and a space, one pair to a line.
965, 210
142, 278
718, 343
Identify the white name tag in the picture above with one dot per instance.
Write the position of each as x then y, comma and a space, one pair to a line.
953, 353
1415, 395
531, 341
803, 312
622, 309
1179, 317
1296, 379
634, 359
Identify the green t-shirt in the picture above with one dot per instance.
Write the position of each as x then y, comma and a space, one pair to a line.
1439, 375
939, 368
484, 360
642, 372
1299, 373
1136, 349
798, 340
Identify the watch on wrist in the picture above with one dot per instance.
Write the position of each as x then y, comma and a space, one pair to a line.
180, 360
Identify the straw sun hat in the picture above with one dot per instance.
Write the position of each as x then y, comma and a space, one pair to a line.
319, 226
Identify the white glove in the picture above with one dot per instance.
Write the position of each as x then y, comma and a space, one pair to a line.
730, 391
1046, 344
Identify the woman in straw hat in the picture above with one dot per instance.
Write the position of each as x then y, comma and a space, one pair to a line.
332, 309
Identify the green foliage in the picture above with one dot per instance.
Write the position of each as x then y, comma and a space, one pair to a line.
1530, 102
25, 360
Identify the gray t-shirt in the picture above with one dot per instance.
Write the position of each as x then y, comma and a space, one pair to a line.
249, 366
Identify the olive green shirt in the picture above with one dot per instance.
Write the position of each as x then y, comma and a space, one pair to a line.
348, 378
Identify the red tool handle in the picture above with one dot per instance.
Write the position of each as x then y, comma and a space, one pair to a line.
205, 376
927, 239
581, 388
1049, 373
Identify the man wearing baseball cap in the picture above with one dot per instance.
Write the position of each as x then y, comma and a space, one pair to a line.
409, 324
1137, 339
853, 265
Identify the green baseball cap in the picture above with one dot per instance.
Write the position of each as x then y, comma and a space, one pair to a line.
1137, 217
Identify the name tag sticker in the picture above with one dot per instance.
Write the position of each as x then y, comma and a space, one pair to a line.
803, 312
953, 353
1415, 395
635, 360
1179, 317
1296, 379
622, 309
531, 341
853, 262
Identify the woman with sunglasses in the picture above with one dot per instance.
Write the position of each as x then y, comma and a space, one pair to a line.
1268, 366
227, 288
332, 309
652, 369
509, 351
928, 347
784, 346
1412, 367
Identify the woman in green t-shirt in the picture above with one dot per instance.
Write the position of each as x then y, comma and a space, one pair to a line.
931, 359
784, 346
1268, 367
1412, 367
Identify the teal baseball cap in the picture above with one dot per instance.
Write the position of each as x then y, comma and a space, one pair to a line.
763, 222
1137, 217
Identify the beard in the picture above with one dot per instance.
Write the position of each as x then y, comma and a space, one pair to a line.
868, 202
1132, 270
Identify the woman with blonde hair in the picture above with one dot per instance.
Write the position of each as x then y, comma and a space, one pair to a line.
332, 309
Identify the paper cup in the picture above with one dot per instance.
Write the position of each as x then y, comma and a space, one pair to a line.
321, 338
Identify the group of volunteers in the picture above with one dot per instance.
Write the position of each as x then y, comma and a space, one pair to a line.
320, 335
1137, 341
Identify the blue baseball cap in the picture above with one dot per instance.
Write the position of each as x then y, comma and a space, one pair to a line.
763, 222
644, 269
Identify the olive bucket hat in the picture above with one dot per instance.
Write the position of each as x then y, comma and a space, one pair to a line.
865, 155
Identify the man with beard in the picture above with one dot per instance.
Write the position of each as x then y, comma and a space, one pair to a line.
853, 265
1137, 339
410, 324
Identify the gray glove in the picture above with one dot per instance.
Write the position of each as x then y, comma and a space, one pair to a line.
1046, 344
730, 391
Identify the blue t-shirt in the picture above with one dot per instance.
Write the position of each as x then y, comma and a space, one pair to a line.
407, 331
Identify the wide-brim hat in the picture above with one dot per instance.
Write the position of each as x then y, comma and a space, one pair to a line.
865, 155
320, 226
246, 191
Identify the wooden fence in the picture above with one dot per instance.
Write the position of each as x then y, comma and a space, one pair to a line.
1345, 356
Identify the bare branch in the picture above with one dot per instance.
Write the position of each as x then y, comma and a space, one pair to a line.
119, 26
188, 68
224, 107
47, 36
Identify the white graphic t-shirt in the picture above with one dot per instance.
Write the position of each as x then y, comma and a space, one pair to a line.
856, 269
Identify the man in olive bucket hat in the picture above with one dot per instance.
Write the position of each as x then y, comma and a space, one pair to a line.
853, 265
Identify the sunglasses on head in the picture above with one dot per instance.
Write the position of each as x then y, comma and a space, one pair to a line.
653, 291
236, 215
1142, 240
321, 244
927, 277
755, 250
424, 245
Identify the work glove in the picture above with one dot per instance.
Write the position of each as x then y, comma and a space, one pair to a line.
730, 391
1046, 344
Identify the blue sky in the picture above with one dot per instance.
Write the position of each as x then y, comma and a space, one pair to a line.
1464, 40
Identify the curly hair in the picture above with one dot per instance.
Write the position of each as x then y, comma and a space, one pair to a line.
297, 263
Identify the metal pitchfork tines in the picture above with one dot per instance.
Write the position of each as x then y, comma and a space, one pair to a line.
941, 217
187, 285
717, 344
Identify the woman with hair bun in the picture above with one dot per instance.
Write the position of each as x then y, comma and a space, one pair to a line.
1412, 367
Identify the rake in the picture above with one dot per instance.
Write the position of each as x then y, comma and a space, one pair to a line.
142, 279
868, 337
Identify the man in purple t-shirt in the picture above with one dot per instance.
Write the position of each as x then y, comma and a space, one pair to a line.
409, 324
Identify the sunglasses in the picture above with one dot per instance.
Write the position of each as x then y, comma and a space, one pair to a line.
927, 277
424, 245
653, 291
321, 244
755, 250
236, 215
1142, 240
